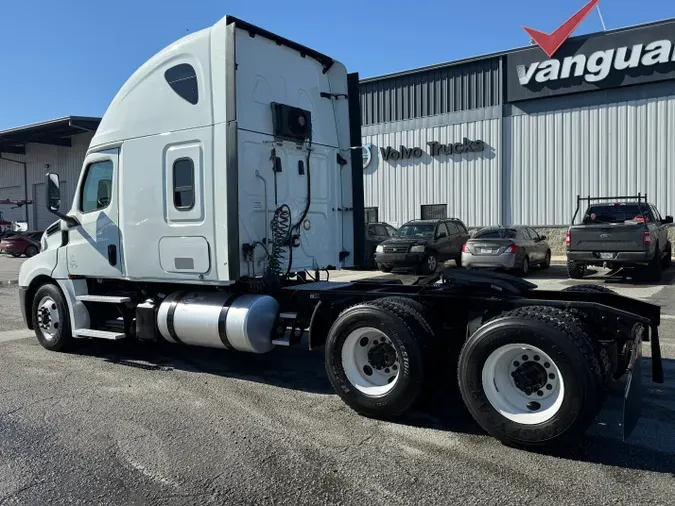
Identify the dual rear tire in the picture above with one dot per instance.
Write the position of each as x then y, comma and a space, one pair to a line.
530, 377
376, 354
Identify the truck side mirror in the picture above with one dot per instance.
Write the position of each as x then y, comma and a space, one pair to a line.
53, 192
54, 199
19, 226
668, 220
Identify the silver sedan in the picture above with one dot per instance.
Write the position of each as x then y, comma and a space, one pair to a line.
511, 248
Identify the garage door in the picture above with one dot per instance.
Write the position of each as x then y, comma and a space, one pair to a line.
42, 217
12, 193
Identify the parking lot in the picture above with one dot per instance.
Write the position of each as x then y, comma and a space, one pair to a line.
118, 423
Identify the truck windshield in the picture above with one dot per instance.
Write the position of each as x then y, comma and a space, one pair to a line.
503, 233
416, 230
615, 214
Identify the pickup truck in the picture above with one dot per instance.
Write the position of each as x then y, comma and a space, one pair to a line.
624, 232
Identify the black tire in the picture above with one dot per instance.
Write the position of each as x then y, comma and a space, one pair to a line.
566, 340
652, 272
62, 337
601, 350
16, 255
575, 270
417, 310
588, 288
384, 268
31, 251
525, 267
667, 259
429, 264
547, 260
402, 328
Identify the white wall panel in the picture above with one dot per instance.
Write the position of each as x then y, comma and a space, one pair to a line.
468, 183
605, 150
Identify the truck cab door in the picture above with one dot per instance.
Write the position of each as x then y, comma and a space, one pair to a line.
94, 244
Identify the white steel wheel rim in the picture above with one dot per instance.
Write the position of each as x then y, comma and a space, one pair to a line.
48, 319
511, 367
370, 361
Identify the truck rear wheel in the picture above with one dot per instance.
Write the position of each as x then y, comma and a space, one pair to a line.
652, 272
375, 360
531, 379
51, 319
668, 258
575, 270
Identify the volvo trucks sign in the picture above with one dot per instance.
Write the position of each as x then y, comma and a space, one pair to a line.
600, 61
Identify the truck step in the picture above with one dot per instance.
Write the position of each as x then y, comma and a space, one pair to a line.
99, 334
110, 299
291, 338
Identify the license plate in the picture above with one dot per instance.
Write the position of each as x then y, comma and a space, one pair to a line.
487, 251
632, 398
607, 255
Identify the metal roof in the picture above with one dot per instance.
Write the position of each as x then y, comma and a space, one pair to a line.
56, 132
497, 54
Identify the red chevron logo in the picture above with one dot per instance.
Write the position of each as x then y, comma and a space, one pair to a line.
550, 43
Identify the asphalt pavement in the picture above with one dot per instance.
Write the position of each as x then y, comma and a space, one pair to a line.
125, 424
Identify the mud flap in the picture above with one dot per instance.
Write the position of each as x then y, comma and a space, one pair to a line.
632, 398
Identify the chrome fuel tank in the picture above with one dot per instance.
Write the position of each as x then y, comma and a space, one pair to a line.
219, 320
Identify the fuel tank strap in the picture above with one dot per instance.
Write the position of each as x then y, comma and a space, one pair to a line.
222, 318
170, 314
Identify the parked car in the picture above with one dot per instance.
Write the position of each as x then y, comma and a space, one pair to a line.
375, 234
511, 248
619, 234
423, 245
27, 243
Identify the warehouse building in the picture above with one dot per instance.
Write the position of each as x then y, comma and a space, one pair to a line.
26, 155
514, 137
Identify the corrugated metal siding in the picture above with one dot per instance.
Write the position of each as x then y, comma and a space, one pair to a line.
11, 174
427, 93
469, 183
612, 149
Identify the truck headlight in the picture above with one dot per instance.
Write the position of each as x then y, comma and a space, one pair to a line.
417, 249
379, 249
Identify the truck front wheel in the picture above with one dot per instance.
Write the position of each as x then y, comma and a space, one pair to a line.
374, 359
530, 378
51, 319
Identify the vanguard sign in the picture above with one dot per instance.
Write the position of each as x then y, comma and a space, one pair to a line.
435, 149
597, 65
599, 61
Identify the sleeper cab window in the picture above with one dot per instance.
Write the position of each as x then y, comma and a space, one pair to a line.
97, 187
183, 80
184, 184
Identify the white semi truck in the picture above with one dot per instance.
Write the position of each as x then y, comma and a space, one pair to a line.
226, 178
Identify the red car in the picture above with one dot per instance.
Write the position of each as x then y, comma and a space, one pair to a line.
20, 244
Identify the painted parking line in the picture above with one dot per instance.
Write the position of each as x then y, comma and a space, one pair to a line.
13, 335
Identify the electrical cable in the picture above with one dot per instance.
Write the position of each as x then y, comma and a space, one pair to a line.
304, 212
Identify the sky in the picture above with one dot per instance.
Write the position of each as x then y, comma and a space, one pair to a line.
69, 57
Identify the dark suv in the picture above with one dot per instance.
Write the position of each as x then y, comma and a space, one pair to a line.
423, 244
